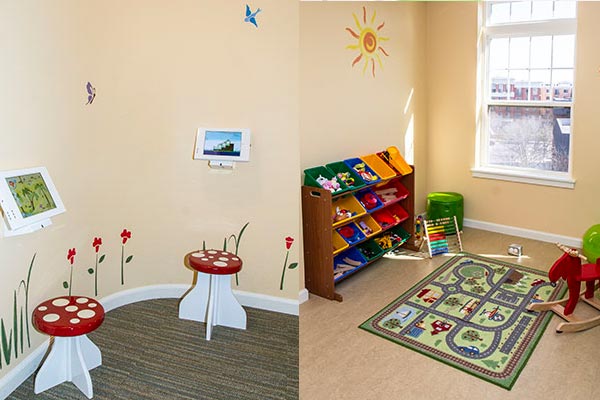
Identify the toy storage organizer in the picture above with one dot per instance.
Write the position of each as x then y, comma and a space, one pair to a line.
349, 228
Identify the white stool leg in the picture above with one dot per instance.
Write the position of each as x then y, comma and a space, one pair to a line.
229, 312
53, 370
193, 304
212, 306
69, 359
79, 373
91, 353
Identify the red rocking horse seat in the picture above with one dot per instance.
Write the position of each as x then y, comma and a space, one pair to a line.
569, 268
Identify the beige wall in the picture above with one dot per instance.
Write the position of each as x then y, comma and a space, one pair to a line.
161, 69
345, 113
451, 73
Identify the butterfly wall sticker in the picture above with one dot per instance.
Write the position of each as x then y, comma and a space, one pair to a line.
91, 93
251, 16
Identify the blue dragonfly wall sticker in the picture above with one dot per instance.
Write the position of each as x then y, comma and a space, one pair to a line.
251, 16
91, 93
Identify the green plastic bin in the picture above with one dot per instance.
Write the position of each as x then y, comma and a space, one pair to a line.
341, 167
446, 204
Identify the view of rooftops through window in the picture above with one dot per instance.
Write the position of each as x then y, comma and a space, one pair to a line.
529, 86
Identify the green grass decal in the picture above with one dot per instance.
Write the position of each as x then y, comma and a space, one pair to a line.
236, 242
13, 341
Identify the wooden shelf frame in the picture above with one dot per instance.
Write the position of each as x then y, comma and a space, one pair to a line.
317, 230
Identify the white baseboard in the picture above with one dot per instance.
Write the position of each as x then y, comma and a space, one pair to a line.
143, 293
22, 371
19, 374
524, 233
174, 291
303, 296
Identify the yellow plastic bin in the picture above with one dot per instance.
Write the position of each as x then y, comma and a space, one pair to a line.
344, 209
379, 166
339, 244
368, 225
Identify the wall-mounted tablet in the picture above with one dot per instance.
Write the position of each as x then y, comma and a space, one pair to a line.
217, 144
28, 198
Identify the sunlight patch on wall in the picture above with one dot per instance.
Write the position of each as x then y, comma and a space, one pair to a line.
409, 141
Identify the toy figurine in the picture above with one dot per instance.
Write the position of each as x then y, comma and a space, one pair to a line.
346, 178
365, 228
341, 214
329, 184
361, 168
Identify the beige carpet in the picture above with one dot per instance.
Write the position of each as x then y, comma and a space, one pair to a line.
340, 361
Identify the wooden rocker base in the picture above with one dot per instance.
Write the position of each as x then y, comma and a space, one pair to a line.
574, 322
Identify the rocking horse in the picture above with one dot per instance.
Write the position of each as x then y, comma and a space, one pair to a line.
569, 267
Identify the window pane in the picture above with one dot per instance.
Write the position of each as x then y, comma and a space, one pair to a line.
563, 51
541, 10
540, 85
520, 11
519, 52
541, 51
562, 84
564, 9
504, 12
519, 84
500, 13
499, 85
529, 137
499, 53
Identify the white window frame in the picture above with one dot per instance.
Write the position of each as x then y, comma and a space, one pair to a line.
515, 174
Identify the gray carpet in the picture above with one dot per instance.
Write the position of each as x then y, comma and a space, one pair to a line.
149, 353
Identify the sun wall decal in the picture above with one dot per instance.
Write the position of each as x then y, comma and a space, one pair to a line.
368, 41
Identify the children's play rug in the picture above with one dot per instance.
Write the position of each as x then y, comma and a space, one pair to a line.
471, 314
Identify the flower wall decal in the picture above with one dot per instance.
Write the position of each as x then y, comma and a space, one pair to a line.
96, 243
125, 236
71, 258
288, 245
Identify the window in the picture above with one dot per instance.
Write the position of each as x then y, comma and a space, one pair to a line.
527, 60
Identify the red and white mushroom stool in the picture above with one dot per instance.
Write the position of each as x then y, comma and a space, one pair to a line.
72, 355
211, 300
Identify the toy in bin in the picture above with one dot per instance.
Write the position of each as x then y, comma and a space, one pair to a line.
361, 169
365, 228
367, 252
394, 158
329, 184
388, 241
348, 264
351, 233
346, 177
341, 214
385, 219
369, 200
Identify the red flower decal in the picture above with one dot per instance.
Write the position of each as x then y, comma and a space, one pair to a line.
71, 255
125, 235
288, 242
97, 243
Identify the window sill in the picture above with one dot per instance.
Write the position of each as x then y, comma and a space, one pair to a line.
548, 178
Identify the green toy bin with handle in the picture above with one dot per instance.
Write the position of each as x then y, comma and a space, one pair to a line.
446, 204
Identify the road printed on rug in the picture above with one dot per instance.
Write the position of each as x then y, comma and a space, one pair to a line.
471, 313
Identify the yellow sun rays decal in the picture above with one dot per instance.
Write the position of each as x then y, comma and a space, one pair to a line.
369, 42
